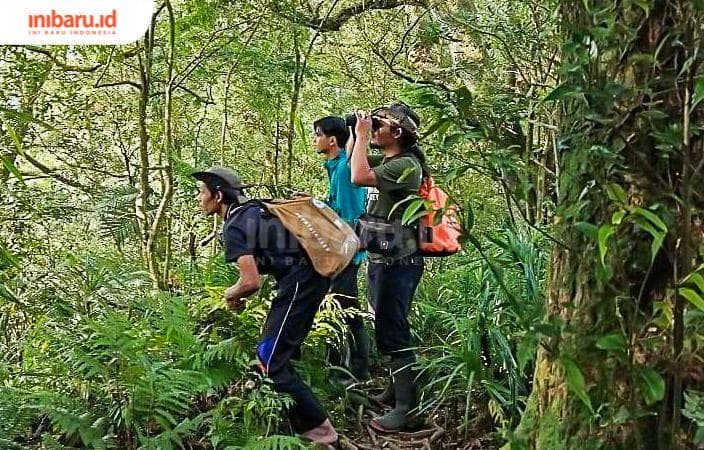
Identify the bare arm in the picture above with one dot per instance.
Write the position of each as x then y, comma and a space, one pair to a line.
248, 284
362, 174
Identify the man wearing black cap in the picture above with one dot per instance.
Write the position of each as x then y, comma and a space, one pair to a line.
394, 275
258, 243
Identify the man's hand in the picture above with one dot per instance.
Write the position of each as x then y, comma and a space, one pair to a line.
361, 173
233, 298
248, 284
364, 124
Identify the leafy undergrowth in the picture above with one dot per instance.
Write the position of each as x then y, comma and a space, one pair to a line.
108, 362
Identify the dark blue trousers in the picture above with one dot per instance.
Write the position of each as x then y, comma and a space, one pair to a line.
290, 319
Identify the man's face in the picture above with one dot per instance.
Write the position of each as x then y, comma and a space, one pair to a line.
207, 200
323, 144
385, 135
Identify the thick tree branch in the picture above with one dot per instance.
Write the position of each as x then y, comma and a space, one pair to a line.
63, 65
119, 83
47, 171
336, 21
204, 55
200, 98
407, 77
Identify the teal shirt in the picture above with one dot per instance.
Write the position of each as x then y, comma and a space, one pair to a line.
345, 198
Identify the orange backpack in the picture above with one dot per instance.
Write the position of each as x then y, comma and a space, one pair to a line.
437, 237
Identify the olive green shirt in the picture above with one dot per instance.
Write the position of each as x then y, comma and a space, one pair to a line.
397, 177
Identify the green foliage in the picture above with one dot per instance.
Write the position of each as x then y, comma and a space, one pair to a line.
575, 381
274, 443
138, 371
481, 328
694, 411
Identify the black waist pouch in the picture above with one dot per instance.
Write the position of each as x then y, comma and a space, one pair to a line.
378, 235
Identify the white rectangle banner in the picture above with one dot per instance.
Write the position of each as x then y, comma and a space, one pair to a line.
46, 22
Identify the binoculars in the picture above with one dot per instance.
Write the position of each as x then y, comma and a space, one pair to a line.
351, 121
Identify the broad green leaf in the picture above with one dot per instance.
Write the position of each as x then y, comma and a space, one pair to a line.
402, 202
658, 236
653, 114
453, 139
26, 118
526, 352
696, 279
563, 91
693, 297
644, 5
656, 245
15, 138
455, 173
699, 5
616, 193
698, 94
605, 232
12, 168
612, 342
441, 126
617, 217
7, 256
588, 229
652, 385
652, 217
411, 220
8, 295
646, 225
469, 217
575, 381
699, 435
412, 209
406, 173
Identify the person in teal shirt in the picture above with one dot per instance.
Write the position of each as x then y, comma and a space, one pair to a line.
348, 201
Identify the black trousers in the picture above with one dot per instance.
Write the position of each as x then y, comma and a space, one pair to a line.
392, 286
290, 319
344, 289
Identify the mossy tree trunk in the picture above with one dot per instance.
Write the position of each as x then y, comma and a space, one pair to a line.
610, 374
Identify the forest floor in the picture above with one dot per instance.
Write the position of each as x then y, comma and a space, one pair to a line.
439, 432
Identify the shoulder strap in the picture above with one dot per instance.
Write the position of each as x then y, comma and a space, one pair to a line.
235, 211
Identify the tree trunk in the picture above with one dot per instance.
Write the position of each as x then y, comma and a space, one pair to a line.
630, 186
142, 201
160, 275
293, 110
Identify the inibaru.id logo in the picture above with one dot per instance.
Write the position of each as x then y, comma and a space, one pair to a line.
57, 20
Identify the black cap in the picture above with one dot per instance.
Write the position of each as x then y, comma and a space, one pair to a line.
219, 177
399, 114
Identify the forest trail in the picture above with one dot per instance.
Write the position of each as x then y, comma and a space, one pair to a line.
427, 433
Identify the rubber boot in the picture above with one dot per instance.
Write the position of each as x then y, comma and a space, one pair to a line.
387, 397
404, 384
324, 434
339, 374
359, 351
